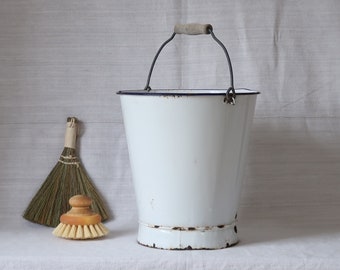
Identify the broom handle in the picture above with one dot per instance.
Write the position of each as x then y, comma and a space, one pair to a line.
71, 133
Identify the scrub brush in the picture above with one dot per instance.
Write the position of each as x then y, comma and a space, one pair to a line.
80, 222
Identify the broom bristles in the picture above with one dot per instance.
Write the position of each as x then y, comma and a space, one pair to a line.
67, 178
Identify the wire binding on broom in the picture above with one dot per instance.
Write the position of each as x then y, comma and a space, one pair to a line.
63, 158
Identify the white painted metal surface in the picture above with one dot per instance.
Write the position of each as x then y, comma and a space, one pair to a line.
187, 154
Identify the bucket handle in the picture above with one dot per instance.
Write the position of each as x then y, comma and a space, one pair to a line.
198, 29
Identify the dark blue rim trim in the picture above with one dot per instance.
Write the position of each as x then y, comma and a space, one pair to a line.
174, 93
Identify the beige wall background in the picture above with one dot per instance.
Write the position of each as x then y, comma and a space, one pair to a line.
68, 58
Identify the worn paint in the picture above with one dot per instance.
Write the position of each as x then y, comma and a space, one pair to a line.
197, 228
235, 229
227, 245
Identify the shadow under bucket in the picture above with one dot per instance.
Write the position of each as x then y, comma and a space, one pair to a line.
187, 152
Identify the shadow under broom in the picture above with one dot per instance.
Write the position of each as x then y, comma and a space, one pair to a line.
67, 178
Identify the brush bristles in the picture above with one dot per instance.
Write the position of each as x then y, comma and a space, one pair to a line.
80, 231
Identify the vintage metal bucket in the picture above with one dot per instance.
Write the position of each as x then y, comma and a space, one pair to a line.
187, 152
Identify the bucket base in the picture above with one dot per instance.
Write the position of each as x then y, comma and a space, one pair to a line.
187, 238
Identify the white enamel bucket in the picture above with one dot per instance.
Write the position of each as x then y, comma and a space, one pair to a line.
187, 152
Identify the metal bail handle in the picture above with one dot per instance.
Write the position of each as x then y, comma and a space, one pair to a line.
198, 29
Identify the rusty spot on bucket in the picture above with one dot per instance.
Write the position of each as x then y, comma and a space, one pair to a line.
187, 247
172, 96
183, 228
195, 228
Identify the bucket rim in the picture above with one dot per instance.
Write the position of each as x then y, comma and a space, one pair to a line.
187, 92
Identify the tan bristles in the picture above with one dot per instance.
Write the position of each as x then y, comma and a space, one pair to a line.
80, 222
80, 231
66, 232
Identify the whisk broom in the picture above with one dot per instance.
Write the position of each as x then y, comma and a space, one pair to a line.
67, 178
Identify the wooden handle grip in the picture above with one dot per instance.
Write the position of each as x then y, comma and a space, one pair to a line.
80, 213
71, 133
193, 29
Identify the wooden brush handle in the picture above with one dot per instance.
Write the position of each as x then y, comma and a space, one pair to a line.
80, 220
80, 213
80, 201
